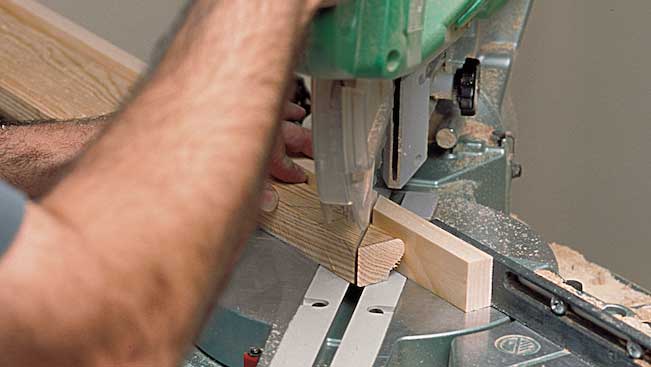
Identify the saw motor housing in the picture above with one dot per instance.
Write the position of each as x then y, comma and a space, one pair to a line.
379, 69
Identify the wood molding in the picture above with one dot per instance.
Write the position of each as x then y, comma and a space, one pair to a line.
54, 69
375, 256
360, 257
437, 260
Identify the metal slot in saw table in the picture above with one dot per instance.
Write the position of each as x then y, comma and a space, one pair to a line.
553, 311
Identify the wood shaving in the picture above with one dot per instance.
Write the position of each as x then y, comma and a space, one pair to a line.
560, 281
479, 130
600, 286
600, 282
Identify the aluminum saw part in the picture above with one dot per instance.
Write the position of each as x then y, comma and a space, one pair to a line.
349, 126
406, 149
365, 332
490, 166
196, 358
477, 155
509, 345
506, 235
584, 329
268, 284
419, 313
449, 132
308, 329
495, 42
422, 204
423, 322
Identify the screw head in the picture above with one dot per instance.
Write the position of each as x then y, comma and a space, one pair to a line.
634, 350
255, 352
447, 138
558, 306
516, 170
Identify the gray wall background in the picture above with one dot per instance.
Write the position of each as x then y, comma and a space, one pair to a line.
582, 91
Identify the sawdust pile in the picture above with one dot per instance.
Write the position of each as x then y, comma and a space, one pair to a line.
601, 285
479, 130
599, 281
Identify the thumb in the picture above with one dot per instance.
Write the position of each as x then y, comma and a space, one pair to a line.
270, 199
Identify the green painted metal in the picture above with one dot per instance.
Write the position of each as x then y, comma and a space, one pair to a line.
470, 13
386, 39
228, 335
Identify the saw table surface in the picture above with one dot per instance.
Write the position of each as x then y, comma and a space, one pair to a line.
268, 289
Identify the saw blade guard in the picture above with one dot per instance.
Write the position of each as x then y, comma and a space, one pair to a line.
350, 122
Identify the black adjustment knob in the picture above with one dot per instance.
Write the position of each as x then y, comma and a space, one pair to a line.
466, 86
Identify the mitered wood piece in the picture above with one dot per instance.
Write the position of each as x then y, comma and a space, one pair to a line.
374, 258
448, 266
54, 69
360, 257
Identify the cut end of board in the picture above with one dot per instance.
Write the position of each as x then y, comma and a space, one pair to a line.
375, 261
480, 281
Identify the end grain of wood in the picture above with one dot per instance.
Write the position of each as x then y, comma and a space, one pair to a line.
376, 259
360, 257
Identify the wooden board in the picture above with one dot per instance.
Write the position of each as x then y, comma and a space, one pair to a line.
360, 257
451, 268
448, 266
54, 69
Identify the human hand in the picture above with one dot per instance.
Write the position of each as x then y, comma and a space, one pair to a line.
292, 139
315, 5
327, 3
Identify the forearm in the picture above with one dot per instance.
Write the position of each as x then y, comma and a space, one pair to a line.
34, 155
162, 202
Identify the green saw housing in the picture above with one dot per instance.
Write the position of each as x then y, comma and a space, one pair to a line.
386, 39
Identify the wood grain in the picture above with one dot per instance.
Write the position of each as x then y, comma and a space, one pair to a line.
375, 259
336, 245
53, 69
298, 221
451, 268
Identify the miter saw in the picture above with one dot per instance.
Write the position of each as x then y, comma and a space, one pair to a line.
409, 102
380, 68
